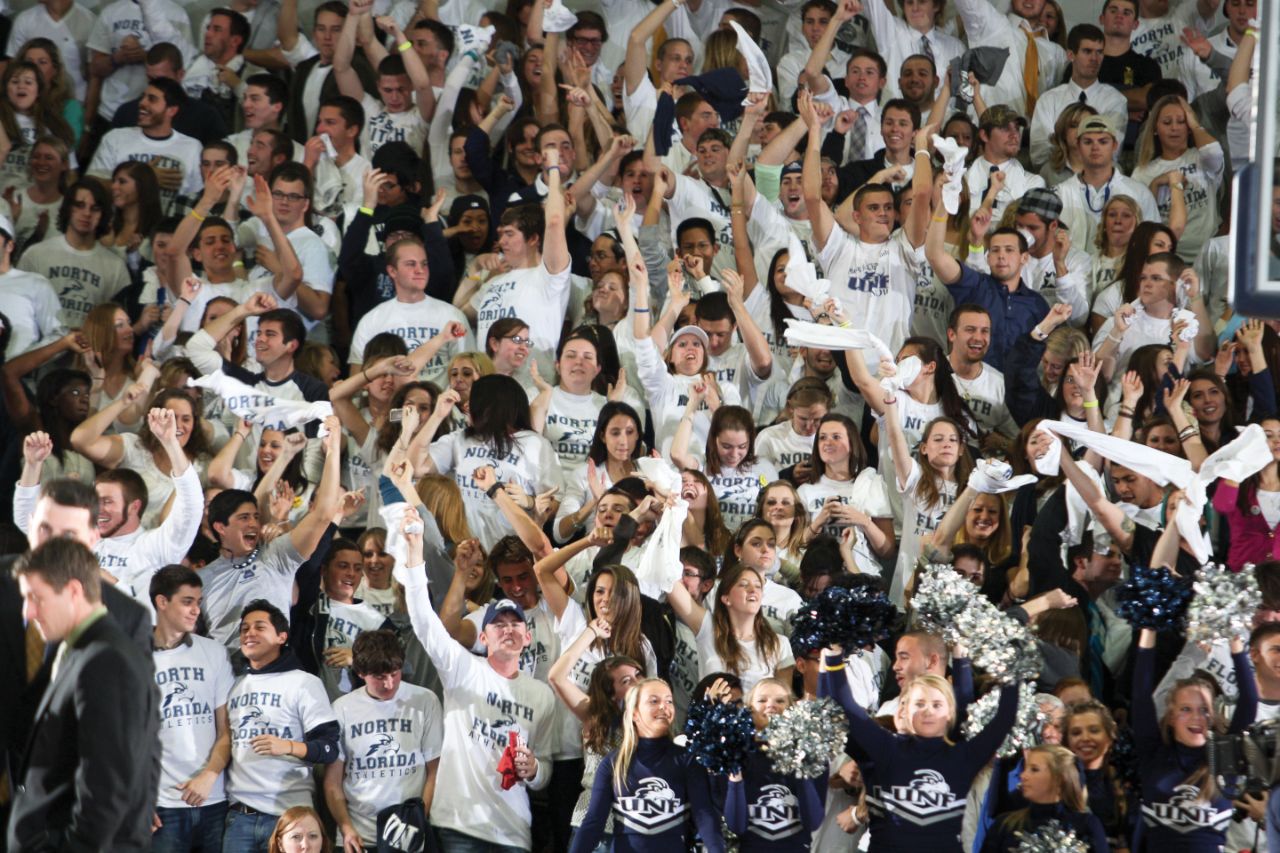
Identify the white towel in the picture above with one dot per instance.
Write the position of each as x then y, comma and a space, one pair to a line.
1238, 460
759, 75
804, 334
1179, 314
473, 38
993, 477
659, 566
906, 372
557, 19
953, 166
802, 276
257, 407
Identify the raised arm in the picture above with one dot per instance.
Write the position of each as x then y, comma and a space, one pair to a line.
90, 437
944, 266
288, 280
306, 534
688, 611
560, 675
814, 73
636, 64
526, 528
348, 80
1108, 514
555, 248
917, 223
811, 174
902, 459
553, 579
758, 353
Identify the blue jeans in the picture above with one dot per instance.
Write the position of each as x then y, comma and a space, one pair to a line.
247, 833
452, 841
189, 830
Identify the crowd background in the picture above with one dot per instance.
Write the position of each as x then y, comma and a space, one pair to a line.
414, 409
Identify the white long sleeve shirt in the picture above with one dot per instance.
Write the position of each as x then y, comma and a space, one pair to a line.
986, 27
1107, 100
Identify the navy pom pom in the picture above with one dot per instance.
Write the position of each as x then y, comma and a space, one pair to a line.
850, 617
1153, 598
720, 735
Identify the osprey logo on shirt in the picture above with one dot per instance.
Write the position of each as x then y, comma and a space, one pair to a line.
1185, 812
383, 745
775, 813
251, 716
652, 808
181, 706
925, 800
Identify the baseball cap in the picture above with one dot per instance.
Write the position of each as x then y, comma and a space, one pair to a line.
463, 203
1098, 124
793, 168
403, 217
1042, 202
499, 607
6, 225
1001, 115
691, 330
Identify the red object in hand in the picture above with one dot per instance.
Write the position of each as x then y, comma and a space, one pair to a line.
507, 763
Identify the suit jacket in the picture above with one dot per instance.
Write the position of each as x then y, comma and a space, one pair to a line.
93, 761
296, 115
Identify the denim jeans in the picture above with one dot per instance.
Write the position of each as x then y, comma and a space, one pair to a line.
190, 830
452, 841
247, 833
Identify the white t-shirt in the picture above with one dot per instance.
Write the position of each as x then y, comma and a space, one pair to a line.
984, 395
782, 446
415, 323
757, 666
386, 746
345, 623
230, 584
531, 464
317, 265
918, 521
536, 296
83, 280
69, 33
736, 489
195, 680
1201, 170
570, 426
381, 127
115, 23
285, 704
160, 485
32, 306
867, 492
778, 604
175, 151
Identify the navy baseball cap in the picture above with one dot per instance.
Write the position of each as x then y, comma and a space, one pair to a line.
499, 607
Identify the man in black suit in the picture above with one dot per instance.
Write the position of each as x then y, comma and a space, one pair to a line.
91, 769
66, 509
313, 80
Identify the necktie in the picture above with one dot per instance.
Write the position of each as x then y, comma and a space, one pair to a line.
987, 188
35, 650
858, 135
1084, 97
1031, 70
925, 48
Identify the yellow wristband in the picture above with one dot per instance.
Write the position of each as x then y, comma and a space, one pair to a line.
833, 668
237, 263
1090, 404
366, 210
940, 218
404, 45
1250, 31
195, 214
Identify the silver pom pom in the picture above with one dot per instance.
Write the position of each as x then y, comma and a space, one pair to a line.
1223, 605
1052, 837
804, 738
947, 604
1026, 729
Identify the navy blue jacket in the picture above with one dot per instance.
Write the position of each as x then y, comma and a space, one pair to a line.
1174, 817
916, 786
665, 786
1013, 315
770, 811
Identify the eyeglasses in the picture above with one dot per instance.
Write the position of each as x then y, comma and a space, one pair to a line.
292, 198
597, 41
691, 573
519, 341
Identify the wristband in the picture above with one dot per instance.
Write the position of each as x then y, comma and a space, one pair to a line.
366, 210
1090, 404
404, 45
184, 299
1114, 339
640, 310
238, 264
195, 214
1250, 31
923, 153
493, 490
942, 218
1038, 334
1126, 413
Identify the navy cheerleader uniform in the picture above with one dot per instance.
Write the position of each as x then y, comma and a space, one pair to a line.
916, 786
1175, 819
771, 811
1004, 836
665, 787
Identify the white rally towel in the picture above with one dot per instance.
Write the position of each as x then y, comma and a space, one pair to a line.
1179, 314
759, 74
802, 275
473, 38
258, 407
993, 477
557, 19
659, 568
953, 166
1238, 460
800, 333
901, 375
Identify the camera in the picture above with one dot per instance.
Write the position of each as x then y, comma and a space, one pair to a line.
1245, 763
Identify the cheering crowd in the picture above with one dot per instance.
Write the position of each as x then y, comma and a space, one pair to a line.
416, 412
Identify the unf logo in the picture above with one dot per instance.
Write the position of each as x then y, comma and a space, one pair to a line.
652, 808
177, 690
252, 714
1186, 812
775, 813
383, 744
926, 799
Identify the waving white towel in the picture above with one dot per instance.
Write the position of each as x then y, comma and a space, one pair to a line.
473, 38
759, 74
1238, 460
804, 334
1179, 314
904, 374
257, 407
802, 275
659, 567
557, 19
953, 166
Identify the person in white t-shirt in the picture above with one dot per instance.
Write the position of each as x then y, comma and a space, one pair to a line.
281, 724
117, 50
27, 299
731, 465
339, 177
389, 751
175, 157
490, 708
674, 61
194, 678
1085, 195
566, 413
83, 271
405, 103
789, 444
980, 384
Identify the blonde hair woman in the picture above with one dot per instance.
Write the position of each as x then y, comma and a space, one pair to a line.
1120, 218
648, 764
1051, 785
1064, 155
